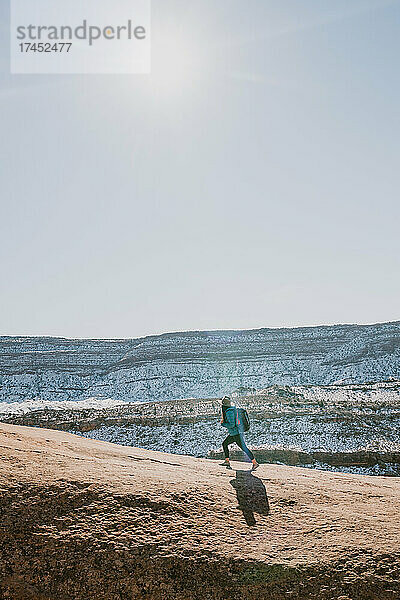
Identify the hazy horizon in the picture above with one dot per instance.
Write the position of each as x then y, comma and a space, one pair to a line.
251, 181
161, 333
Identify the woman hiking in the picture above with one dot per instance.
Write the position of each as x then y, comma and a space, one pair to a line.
228, 420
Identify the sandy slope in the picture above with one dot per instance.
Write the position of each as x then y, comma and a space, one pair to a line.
84, 519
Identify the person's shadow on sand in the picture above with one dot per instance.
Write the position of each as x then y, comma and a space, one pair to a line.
251, 495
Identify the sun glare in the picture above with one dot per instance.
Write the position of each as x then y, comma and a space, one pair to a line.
178, 63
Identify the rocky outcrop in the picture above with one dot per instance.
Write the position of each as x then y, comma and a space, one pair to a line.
83, 519
195, 364
344, 427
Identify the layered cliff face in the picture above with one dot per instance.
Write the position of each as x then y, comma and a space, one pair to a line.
353, 428
195, 364
86, 520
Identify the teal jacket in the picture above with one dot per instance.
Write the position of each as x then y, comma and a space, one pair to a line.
230, 421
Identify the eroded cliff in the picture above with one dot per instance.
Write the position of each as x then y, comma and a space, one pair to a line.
197, 364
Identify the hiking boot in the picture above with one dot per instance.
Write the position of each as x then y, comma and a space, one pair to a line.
225, 464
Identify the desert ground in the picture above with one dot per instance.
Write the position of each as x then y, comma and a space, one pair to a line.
86, 519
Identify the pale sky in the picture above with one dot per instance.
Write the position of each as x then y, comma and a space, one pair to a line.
252, 180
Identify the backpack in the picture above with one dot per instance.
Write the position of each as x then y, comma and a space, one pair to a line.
242, 419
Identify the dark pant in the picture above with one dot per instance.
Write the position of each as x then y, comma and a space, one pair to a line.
239, 439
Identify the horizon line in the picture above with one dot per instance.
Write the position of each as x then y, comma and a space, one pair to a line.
178, 331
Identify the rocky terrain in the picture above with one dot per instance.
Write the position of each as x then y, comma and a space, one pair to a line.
195, 364
83, 519
346, 427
